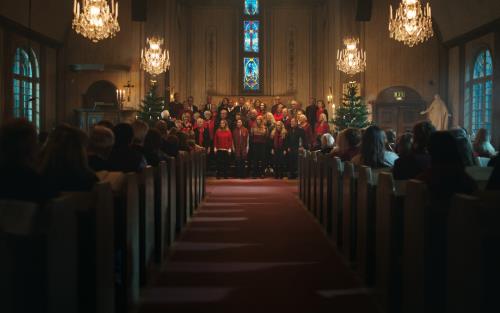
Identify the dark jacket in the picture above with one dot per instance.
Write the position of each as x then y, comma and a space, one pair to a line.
294, 136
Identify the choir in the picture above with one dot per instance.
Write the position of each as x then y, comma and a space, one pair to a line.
253, 138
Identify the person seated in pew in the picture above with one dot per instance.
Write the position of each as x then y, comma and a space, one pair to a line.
140, 130
63, 161
18, 152
123, 157
101, 141
170, 144
152, 148
494, 181
465, 146
348, 144
373, 152
446, 174
326, 144
410, 165
482, 145
391, 136
105, 123
403, 145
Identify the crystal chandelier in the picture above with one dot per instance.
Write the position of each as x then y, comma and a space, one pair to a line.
412, 23
154, 59
95, 20
351, 60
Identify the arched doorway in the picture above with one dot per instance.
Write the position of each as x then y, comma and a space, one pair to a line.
398, 108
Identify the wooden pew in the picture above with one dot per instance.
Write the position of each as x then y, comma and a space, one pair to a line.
146, 220
337, 178
66, 248
326, 191
388, 241
472, 253
301, 176
22, 250
367, 185
349, 214
181, 191
189, 186
416, 230
127, 242
481, 175
172, 200
204, 174
307, 178
161, 211
313, 175
314, 207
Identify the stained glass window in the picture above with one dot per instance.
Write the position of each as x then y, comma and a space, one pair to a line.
26, 86
251, 7
251, 34
479, 93
251, 74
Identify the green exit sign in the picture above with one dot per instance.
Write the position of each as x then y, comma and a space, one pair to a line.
399, 95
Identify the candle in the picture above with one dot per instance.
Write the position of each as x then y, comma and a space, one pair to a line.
113, 7
74, 6
390, 11
116, 13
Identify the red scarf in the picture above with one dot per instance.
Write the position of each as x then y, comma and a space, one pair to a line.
201, 132
278, 140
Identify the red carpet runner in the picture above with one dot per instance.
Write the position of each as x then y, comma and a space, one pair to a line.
252, 247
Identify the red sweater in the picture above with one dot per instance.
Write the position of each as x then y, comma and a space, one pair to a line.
223, 139
322, 128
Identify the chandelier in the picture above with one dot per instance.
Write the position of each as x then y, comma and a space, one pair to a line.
154, 59
351, 60
412, 23
95, 20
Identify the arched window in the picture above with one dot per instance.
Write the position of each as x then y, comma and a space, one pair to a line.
26, 86
479, 92
251, 49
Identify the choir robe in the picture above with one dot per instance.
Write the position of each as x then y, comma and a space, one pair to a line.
240, 141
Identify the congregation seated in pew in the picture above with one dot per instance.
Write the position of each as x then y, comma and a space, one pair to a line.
20, 179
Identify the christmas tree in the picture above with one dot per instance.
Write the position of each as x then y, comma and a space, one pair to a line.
151, 107
353, 112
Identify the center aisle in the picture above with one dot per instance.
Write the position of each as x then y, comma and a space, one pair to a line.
252, 247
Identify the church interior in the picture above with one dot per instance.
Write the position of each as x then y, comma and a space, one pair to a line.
249, 155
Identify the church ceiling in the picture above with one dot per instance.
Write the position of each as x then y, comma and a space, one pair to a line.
52, 18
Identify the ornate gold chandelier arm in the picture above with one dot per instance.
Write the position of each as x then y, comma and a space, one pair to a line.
154, 59
351, 60
412, 23
94, 19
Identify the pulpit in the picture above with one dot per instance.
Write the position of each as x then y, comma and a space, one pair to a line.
100, 102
